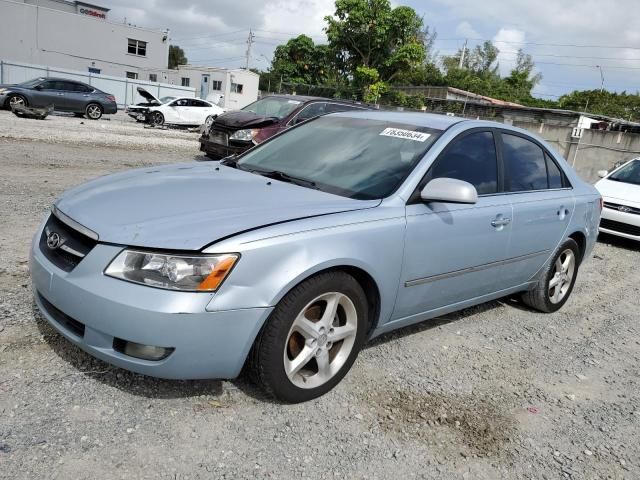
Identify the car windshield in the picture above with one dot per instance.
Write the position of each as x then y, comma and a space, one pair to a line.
278, 107
353, 157
166, 99
630, 173
31, 83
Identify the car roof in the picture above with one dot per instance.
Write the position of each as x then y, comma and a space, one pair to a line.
429, 120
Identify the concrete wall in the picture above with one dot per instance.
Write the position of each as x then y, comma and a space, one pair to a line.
39, 35
124, 89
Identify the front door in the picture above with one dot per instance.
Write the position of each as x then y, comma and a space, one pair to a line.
454, 252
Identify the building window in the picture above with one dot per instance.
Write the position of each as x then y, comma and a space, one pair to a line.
137, 47
216, 85
185, 81
236, 87
153, 77
132, 75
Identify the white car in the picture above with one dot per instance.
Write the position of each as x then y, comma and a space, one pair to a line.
620, 192
184, 111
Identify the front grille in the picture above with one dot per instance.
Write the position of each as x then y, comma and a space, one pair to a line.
62, 318
620, 227
622, 208
71, 248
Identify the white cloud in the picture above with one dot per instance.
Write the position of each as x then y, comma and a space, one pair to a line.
466, 30
508, 41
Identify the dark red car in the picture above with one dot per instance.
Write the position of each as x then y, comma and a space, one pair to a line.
234, 132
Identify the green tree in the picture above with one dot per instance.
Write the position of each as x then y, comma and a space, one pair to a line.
176, 56
301, 61
372, 34
621, 105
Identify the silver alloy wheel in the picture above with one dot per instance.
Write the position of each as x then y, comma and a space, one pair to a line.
93, 112
320, 340
562, 276
16, 101
208, 122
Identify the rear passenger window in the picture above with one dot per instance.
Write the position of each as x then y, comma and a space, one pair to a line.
473, 159
554, 173
524, 163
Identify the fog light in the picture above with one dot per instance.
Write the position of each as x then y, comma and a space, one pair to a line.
138, 350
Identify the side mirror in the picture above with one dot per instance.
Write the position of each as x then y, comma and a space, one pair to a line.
602, 173
38, 87
449, 190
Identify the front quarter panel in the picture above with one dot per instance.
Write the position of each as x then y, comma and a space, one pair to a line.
275, 259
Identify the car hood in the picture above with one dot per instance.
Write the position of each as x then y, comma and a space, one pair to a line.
239, 119
147, 96
188, 206
628, 192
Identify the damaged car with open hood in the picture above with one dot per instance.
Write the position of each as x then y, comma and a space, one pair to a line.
288, 258
236, 131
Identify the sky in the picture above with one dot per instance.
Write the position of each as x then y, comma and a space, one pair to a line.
574, 43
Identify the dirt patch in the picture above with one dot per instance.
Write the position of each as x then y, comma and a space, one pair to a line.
479, 423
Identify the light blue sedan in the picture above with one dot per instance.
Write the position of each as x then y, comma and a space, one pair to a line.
293, 255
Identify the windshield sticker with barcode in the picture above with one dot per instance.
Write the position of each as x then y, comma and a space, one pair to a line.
406, 134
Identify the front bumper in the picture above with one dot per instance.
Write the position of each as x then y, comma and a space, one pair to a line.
207, 344
218, 151
621, 224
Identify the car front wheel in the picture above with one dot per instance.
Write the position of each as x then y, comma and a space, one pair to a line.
157, 119
93, 111
16, 100
312, 338
557, 280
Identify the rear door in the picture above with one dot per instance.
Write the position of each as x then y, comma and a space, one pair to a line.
542, 202
454, 252
76, 96
197, 111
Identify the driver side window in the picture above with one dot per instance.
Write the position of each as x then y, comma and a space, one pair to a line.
473, 159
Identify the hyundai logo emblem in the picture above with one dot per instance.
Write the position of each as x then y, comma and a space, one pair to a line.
624, 209
53, 240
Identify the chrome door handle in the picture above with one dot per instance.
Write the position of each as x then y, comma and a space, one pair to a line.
60, 94
500, 222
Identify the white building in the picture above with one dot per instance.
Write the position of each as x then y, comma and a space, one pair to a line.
236, 87
79, 36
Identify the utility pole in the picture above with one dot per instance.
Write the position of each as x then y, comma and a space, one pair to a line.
250, 41
464, 51
601, 79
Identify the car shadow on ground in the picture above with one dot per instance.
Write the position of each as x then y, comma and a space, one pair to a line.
132, 383
150, 387
619, 242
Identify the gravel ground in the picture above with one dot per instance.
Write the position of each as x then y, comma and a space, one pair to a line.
496, 391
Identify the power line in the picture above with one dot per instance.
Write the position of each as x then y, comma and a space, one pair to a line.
540, 44
209, 35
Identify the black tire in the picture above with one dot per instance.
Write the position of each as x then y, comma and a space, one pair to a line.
157, 119
268, 352
540, 297
15, 97
94, 111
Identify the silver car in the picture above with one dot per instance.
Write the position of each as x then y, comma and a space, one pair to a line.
293, 255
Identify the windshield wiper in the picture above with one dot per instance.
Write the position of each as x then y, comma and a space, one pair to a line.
230, 161
284, 177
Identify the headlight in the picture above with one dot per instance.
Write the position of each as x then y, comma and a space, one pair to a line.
244, 135
198, 273
2, 90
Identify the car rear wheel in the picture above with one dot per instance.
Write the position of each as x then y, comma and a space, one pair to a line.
93, 111
208, 122
557, 280
16, 100
157, 119
312, 338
